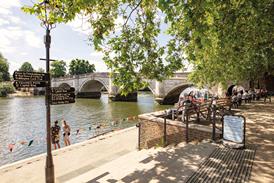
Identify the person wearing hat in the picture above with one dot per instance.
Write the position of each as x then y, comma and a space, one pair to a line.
55, 135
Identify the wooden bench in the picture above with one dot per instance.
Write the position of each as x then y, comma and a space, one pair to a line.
224, 103
198, 109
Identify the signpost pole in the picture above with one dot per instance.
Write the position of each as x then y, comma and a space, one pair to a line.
165, 135
49, 170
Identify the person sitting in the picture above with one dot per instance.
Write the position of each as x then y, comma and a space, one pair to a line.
184, 103
266, 95
239, 98
245, 96
258, 94
235, 100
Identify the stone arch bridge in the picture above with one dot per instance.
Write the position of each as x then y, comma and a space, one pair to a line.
91, 85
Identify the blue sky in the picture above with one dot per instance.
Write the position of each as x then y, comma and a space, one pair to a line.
21, 39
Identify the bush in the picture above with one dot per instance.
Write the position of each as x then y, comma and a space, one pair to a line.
5, 89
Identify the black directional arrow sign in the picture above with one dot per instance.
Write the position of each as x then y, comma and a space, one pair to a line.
30, 76
61, 95
28, 84
30, 79
56, 90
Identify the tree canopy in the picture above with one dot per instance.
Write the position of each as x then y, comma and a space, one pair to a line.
58, 68
4, 69
78, 66
224, 40
26, 67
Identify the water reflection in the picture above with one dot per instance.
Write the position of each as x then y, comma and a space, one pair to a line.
23, 119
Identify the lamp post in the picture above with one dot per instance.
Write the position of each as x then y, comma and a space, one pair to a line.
49, 169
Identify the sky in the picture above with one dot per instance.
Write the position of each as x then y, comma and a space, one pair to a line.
21, 39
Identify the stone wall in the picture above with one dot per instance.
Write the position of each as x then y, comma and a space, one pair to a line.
151, 131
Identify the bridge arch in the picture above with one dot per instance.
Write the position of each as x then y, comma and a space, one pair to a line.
64, 85
92, 88
173, 94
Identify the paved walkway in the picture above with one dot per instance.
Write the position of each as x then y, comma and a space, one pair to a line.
74, 160
260, 132
171, 164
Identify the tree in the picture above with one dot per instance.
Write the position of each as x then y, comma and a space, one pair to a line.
58, 69
26, 67
4, 69
224, 40
40, 70
229, 41
78, 66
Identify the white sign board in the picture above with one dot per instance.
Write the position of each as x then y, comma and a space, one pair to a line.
233, 129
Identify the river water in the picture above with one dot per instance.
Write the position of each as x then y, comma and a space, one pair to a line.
22, 119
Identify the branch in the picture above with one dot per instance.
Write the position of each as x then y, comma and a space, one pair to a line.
132, 12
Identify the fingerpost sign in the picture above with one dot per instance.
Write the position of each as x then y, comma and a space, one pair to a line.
30, 79
60, 95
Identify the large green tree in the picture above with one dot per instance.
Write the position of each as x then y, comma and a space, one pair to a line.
78, 66
58, 68
227, 40
26, 67
4, 69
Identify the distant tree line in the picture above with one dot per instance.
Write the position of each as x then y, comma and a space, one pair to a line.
5, 87
76, 66
58, 68
4, 69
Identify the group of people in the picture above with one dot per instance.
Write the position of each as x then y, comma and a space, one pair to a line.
55, 134
247, 96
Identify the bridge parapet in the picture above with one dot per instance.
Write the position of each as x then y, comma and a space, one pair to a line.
93, 83
180, 75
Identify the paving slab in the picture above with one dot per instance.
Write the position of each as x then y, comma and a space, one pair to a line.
73, 160
171, 164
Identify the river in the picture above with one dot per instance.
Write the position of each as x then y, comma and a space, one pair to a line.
22, 119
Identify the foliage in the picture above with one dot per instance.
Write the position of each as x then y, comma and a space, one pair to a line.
40, 70
78, 66
6, 88
26, 67
4, 69
58, 68
224, 40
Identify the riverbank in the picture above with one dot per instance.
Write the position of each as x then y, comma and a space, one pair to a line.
114, 157
20, 94
73, 160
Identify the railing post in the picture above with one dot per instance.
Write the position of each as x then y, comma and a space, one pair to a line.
165, 135
214, 123
198, 112
139, 136
186, 131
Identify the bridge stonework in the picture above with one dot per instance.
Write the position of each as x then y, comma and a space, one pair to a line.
165, 92
91, 85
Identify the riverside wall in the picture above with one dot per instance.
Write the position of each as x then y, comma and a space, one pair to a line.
151, 131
